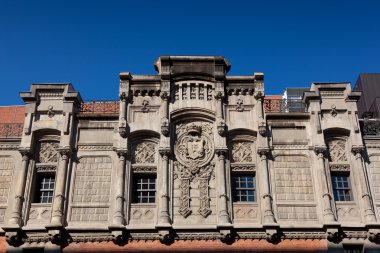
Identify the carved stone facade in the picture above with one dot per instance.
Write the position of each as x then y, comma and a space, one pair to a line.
190, 154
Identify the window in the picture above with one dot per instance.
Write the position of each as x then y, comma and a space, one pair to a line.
144, 189
44, 188
353, 248
341, 187
243, 188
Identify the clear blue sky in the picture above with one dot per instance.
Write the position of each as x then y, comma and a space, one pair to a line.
88, 43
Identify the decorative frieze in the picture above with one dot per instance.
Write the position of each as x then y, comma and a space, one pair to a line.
48, 152
243, 167
337, 150
145, 152
242, 152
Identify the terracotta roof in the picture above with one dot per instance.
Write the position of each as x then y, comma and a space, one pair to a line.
12, 114
273, 97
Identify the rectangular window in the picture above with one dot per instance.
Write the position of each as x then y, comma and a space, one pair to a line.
243, 188
45, 188
341, 187
353, 248
144, 189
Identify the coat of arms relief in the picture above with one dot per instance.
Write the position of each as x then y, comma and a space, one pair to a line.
194, 150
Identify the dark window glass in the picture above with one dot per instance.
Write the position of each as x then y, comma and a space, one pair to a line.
144, 189
353, 248
45, 188
243, 188
341, 187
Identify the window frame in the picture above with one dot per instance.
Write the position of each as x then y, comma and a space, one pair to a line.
137, 192
337, 189
37, 196
235, 189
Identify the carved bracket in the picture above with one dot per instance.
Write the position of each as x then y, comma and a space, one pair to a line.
262, 128
165, 126
145, 105
240, 106
221, 127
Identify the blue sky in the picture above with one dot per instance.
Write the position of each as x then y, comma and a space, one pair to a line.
88, 43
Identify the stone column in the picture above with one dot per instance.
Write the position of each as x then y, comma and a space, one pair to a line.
264, 180
118, 217
328, 214
224, 217
369, 214
60, 187
164, 217
16, 216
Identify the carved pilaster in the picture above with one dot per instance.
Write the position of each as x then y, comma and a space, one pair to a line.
118, 217
16, 216
328, 214
164, 216
59, 198
267, 198
224, 217
369, 213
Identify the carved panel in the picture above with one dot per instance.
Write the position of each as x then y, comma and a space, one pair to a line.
347, 212
6, 171
99, 214
92, 182
48, 152
337, 150
293, 179
245, 213
194, 150
242, 152
145, 152
142, 214
297, 212
39, 214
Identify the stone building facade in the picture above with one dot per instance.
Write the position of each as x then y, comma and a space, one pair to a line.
190, 159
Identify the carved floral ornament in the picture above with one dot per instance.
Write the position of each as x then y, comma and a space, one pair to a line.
242, 152
337, 150
48, 152
194, 151
145, 152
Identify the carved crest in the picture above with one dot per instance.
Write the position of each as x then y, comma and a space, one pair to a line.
48, 152
145, 152
194, 150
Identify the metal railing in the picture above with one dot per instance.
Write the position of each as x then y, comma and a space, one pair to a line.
110, 106
9, 130
284, 105
370, 126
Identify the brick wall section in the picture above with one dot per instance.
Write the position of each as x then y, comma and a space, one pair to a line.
203, 246
93, 180
3, 244
12, 114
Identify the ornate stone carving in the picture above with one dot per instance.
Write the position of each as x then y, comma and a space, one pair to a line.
194, 150
144, 169
333, 111
242, 152
50, 111
46, 168
337, 150
239, 106
262, 128
339, 167
145, 152
221, 127
243, 167
145, 105
165, 126
48, 152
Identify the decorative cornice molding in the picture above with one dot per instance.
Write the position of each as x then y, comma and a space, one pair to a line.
95, 147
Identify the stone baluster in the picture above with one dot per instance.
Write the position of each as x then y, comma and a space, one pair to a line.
264, 180
164, 217
224, 217
118, 217
60, 187
16, 216
328, 214
369, 214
